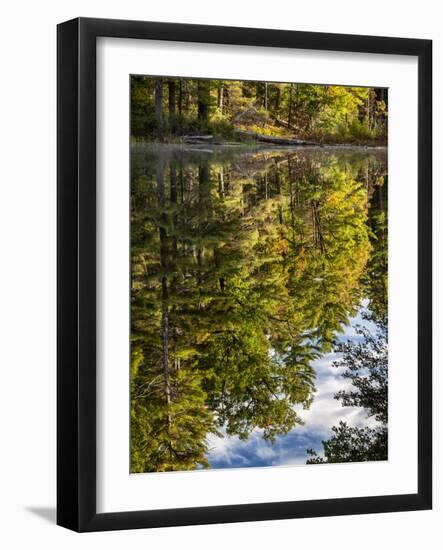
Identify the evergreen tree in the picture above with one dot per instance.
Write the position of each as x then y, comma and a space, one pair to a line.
366, 365
177, 106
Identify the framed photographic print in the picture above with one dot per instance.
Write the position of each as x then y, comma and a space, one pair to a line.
244, 274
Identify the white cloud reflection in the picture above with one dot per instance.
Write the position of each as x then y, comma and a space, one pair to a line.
325, 412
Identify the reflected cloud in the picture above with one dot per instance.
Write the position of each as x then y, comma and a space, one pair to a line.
325, 411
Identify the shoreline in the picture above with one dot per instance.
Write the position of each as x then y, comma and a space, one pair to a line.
208, 147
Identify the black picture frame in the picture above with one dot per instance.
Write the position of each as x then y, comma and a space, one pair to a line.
76, 265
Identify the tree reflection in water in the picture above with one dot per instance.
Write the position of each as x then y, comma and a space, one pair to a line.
246, 265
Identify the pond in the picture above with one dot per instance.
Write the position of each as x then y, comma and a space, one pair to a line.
252, 270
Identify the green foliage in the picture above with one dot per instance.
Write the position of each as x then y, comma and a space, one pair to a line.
169, 436
376, 278
170, 107
366, 365
243, 271
351, 444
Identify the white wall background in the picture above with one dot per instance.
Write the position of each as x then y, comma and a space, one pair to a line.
27, 273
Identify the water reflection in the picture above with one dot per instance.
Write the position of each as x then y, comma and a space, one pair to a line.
246, 265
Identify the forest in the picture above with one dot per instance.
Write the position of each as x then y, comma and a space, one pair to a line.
167, 109
245, 268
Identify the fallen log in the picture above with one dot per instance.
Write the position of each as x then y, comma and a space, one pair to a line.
197, 139
198, 150
282, 123
271, 139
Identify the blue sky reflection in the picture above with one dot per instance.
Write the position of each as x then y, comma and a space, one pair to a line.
325, 411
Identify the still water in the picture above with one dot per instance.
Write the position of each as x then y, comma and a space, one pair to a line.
247, 268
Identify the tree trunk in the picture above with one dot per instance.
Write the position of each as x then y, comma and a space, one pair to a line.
187, 96
277, 99
173, 177
203, 91
290, 106
368, 110
221, 183
164, 295
171, 103
280, 206
205, 207
180, 97
158, 93
220, 93
165, 340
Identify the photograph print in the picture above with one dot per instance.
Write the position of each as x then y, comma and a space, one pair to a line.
259, 269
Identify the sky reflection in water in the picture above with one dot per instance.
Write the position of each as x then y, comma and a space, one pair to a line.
325, 411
